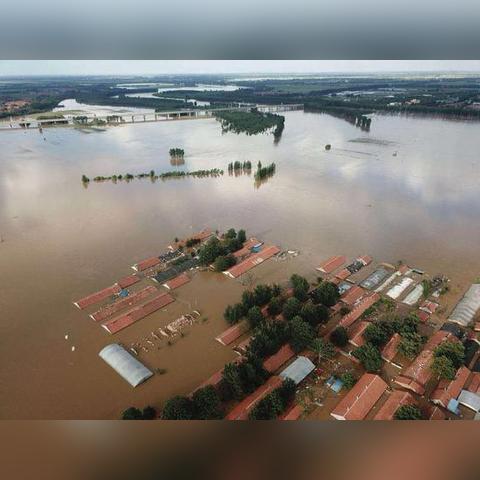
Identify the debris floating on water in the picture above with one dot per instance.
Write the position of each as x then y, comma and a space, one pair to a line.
73, 348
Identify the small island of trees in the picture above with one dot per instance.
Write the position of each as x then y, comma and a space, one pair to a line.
251, 123
177, 153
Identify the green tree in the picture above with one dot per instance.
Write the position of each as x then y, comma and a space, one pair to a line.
324, 349
132, 413
178, 408
300, 287
443, 368
291, 308
241, 236
370, 357
231, 233
248, 299
149, 413
275, 306
454, 351
224, 262
207, 404
411, 344
339, 337
314, 314
231, 382
408, 412
348, 379
263, 294
254, 316
301, 334
377, 333
234, 313
326, 293
210, 251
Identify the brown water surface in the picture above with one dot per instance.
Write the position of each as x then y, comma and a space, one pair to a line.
62, 241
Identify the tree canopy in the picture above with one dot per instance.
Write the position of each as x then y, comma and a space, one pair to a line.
408, 412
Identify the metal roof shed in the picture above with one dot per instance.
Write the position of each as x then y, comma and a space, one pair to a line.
125, 364
298, 370
470, 400
467, 307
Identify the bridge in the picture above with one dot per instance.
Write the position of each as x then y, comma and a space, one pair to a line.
90, 120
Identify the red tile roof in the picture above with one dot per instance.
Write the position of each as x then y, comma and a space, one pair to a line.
128, 281
97, 297
126, 319
422, 316
147, 263
389, 351
343, 274
293, 413
332, 264
397, 399
404, 269
446, 390
241, 411
352, 295
252, 261
366, 259
176, 282
358, 311
361, 398
232, 333
355, 333
417, 375
275, 361
120, 303
428, 306
435, 413
474, 384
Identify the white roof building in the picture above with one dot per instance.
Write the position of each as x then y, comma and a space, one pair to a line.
467, 307
128, 367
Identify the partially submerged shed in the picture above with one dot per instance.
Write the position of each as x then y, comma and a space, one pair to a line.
128, 367
467, 307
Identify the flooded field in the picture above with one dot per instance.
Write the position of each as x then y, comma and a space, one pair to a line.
61, 240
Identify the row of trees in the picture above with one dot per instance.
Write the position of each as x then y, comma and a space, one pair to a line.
214, 172
204, 404
236, 166
275, 403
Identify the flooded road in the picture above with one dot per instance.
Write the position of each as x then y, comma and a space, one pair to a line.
61, 240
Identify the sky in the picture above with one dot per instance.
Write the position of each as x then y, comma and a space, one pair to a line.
153, 67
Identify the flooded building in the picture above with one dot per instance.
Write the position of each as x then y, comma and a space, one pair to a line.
375, 278
128, 367
467, 307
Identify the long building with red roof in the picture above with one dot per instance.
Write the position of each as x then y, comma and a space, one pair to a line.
252, 261
361, 398
359, 310
126, 319
232, 333
275, 361
332, 264
97, 297
447, 390
177, 282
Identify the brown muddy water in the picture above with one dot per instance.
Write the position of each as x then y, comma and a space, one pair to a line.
61, 241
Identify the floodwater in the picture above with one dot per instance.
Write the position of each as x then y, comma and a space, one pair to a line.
60, 241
